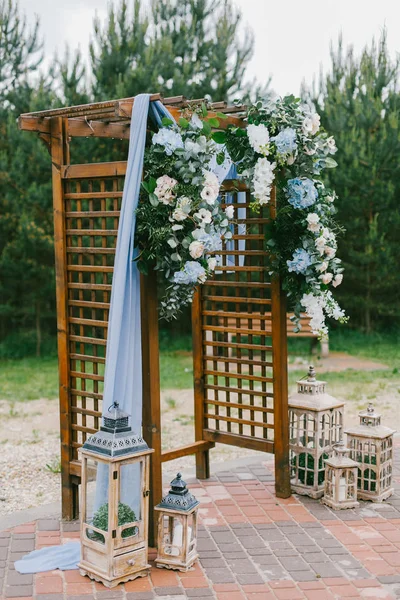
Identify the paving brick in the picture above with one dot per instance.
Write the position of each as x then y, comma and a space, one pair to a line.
49, 597
316, 557
140, 596
215, 563
199, 593
48, 525
220, 575
24, 545
109, 594
18, 591
15, 578
169, 591
293, 564
47, 585
326, 570
71, 526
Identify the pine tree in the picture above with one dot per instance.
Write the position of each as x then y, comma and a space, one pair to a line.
26, 248
359, 104
185, 47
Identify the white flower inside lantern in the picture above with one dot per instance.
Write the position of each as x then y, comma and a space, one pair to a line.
340, 479
177, 528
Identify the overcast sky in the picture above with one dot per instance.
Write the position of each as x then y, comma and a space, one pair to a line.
292, 37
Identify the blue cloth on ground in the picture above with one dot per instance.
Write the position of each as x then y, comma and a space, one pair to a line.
63, 557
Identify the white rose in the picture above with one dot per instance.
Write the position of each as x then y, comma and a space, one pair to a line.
311, 124
338, 280
330, 252
326, 278
229, 211
204, 216
331, 145
179, 214
196, 249
212, 263
209, 194
321, 267
313, 222
320, 244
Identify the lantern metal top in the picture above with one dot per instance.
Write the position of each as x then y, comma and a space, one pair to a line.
115, 437
179, 497
340, 458
370, 425
311, 394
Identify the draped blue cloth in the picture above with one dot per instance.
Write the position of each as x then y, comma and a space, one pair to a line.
123, 373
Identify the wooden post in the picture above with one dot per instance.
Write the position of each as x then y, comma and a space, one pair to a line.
58, 149
151, 391
280, 375
203, 457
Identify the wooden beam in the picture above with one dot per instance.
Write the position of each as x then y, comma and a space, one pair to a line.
235, 439
59, 156
280, 385
200, 446
151, 418
93, 170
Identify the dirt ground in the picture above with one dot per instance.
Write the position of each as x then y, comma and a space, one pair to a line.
29, 436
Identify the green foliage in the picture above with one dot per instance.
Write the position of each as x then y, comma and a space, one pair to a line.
306, 465
359, 103
100, 520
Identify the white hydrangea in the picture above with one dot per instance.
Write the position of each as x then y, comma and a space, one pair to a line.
314, 307
263, 179
259, 138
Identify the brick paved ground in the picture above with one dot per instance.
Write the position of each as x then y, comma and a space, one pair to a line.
252, 546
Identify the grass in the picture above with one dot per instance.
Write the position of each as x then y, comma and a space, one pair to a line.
32, 378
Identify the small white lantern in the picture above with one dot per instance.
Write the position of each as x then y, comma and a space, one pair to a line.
177, 528
340, 480
315, 426
371, 446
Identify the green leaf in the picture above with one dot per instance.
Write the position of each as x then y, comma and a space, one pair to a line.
151, 185
213, 122
184, 123
219, 137
145, 186
221, 115
206, 128
330, 163
204, 111
154, 201
220, 158
166, 121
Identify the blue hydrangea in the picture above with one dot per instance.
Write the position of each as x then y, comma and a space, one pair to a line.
301, 261
285, 141
212, 241
302, 193
170, 139
192, 273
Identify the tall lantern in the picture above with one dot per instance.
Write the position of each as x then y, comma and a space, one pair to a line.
114, 502
340, 479
315, 426
177, 528
371, 446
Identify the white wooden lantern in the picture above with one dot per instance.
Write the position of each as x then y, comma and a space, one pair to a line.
177, 528
114, 517
340, 479
315, 426
371, 446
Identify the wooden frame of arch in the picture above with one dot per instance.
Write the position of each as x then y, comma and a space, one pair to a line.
239, 317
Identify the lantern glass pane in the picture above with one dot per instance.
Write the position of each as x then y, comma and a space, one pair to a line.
96, 510
130, 498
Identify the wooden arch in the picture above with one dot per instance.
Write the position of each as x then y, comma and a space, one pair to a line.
239, 317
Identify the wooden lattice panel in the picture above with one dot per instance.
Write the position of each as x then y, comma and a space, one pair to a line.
92, 209
236, 315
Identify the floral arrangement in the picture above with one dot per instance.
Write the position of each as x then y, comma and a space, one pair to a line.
179, 220
284, 145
